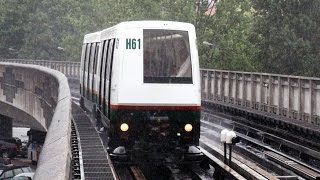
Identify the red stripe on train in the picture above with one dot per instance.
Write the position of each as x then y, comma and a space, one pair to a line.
152, 107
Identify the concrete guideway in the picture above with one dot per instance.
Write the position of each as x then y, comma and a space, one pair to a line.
41, 96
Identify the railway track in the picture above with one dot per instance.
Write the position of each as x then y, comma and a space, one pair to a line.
258, 144
94, 160
165, 171
76, 168
300, 146
288, 147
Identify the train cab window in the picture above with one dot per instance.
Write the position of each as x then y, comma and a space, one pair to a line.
166, 55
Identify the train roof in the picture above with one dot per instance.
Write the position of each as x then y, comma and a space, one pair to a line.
94, 37
150, 23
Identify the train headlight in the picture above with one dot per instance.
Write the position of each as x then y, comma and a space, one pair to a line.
124, 127
188, 127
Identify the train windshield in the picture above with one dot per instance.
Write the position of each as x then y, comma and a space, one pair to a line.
166, 56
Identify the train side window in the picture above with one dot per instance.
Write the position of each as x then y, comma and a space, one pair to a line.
100, 54
8, 174
83, 55
26, 169
17, 171
87, 57
110, 57
91, 60
96, 58
104, 57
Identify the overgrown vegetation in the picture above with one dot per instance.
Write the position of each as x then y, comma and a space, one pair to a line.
277, 36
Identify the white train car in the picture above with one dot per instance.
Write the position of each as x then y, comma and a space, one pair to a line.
142, 81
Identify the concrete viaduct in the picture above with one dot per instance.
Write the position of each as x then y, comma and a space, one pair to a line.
40, 97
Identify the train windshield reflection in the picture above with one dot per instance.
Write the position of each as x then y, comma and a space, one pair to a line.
166, 56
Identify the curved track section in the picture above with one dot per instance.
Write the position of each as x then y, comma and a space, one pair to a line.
93, 156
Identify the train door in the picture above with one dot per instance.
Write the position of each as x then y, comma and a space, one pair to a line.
83, 62
86, 72
99, 72
102, 74
107, 89
90, 70
94, 72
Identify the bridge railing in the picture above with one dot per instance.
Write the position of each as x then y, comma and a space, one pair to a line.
69, 68
293, 97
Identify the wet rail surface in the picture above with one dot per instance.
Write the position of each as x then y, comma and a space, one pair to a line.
276, 141
253, 146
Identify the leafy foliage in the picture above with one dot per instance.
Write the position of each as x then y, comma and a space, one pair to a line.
12, 22
278, 36
228, 30
288, 36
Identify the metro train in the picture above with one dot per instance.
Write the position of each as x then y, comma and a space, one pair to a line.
141, 79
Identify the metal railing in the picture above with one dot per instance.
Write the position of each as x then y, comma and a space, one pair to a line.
293, 97
69, 68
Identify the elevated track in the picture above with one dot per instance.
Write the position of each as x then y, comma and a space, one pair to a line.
268, 111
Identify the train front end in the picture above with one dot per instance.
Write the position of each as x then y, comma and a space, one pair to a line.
157, 113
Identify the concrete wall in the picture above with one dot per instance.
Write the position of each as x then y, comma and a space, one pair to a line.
68, 68
293, 97
40, 97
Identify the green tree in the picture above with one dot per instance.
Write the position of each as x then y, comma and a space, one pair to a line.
95, 15
48, 23
229, 31
288, 36
53, 30
12, 33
